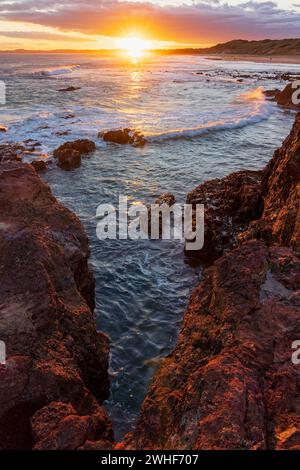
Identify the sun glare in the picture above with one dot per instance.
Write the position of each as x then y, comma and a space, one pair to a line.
134, 47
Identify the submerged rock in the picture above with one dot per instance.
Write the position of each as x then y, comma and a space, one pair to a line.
124, 137
70, 88
69, 154
62, 133
55, 378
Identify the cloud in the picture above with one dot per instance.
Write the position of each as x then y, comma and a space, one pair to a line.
198, 21
43, 36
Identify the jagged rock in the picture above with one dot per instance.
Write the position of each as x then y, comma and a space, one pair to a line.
58, 426
124, 137
230, 203
54, 353
83, 146
280, 190
249, 204
69, 154
285, 98
230, 382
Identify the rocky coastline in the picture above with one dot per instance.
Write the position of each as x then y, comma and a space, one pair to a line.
230, 382
55, 377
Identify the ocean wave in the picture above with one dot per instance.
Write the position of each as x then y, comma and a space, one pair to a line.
53, 71
261, 110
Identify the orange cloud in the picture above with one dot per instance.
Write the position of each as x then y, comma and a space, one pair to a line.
202, 22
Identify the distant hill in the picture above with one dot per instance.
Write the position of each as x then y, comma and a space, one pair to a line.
264, 47
283, 47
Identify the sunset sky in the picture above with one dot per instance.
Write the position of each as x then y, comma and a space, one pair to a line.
98, 24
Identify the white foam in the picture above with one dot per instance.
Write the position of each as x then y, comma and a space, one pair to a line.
52, 71
260, 110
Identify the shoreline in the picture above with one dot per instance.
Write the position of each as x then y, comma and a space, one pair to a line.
263, 59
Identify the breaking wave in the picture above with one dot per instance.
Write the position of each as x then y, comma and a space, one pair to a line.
53, 71
260, 111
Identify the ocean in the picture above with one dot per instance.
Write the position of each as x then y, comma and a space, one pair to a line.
203, 119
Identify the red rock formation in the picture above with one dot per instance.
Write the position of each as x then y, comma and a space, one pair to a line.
280, 189
55, 378
230, 382
245, 205
285, 97
123, 137
69, 154
229, 205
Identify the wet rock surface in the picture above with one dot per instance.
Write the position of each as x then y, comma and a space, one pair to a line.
69, 154
230, 382
124, 137
55, 378
286, 97
280, 192
229, 205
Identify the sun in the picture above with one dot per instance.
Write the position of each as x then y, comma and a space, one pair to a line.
134, 46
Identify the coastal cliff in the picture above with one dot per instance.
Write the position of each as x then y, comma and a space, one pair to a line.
230, 382
55, 377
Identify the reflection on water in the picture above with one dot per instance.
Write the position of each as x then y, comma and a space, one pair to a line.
142, 287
